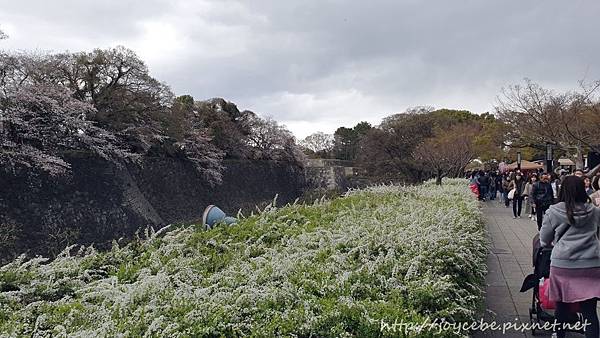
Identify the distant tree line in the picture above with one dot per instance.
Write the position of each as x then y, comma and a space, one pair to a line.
411, 146
424, 142
106, 103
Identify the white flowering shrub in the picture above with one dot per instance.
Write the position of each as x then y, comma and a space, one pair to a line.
334, 268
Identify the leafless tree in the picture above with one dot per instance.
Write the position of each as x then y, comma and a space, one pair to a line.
582, 119
270, 140
448, 152
537, 116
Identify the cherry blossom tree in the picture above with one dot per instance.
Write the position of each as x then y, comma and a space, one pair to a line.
318, 142
113, 90
40, 122
271, 141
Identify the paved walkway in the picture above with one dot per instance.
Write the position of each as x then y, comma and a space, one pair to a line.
509, 261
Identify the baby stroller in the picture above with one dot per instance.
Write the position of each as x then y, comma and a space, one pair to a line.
541, 269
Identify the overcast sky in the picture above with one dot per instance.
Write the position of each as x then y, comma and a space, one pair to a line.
315, 65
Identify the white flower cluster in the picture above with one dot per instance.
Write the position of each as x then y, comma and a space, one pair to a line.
334, 268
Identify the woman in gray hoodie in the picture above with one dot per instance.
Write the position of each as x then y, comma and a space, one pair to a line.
572, 225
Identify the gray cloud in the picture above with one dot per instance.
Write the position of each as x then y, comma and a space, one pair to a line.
320, 64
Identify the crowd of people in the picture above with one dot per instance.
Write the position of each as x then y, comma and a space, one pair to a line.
531, 192
566, 209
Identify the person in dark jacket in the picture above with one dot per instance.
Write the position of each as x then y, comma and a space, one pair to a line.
492, 186
588, 186
505, 189
572, 225
519, 185
542, 197
484, 183
498, 183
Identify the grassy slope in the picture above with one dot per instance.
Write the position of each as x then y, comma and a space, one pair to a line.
334, 268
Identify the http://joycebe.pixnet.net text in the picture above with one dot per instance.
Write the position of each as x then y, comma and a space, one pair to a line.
441, 325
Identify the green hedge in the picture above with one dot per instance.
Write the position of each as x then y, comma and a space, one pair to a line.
330, 269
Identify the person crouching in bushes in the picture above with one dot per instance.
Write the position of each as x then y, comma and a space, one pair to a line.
573, 225
529, 206
519, 185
